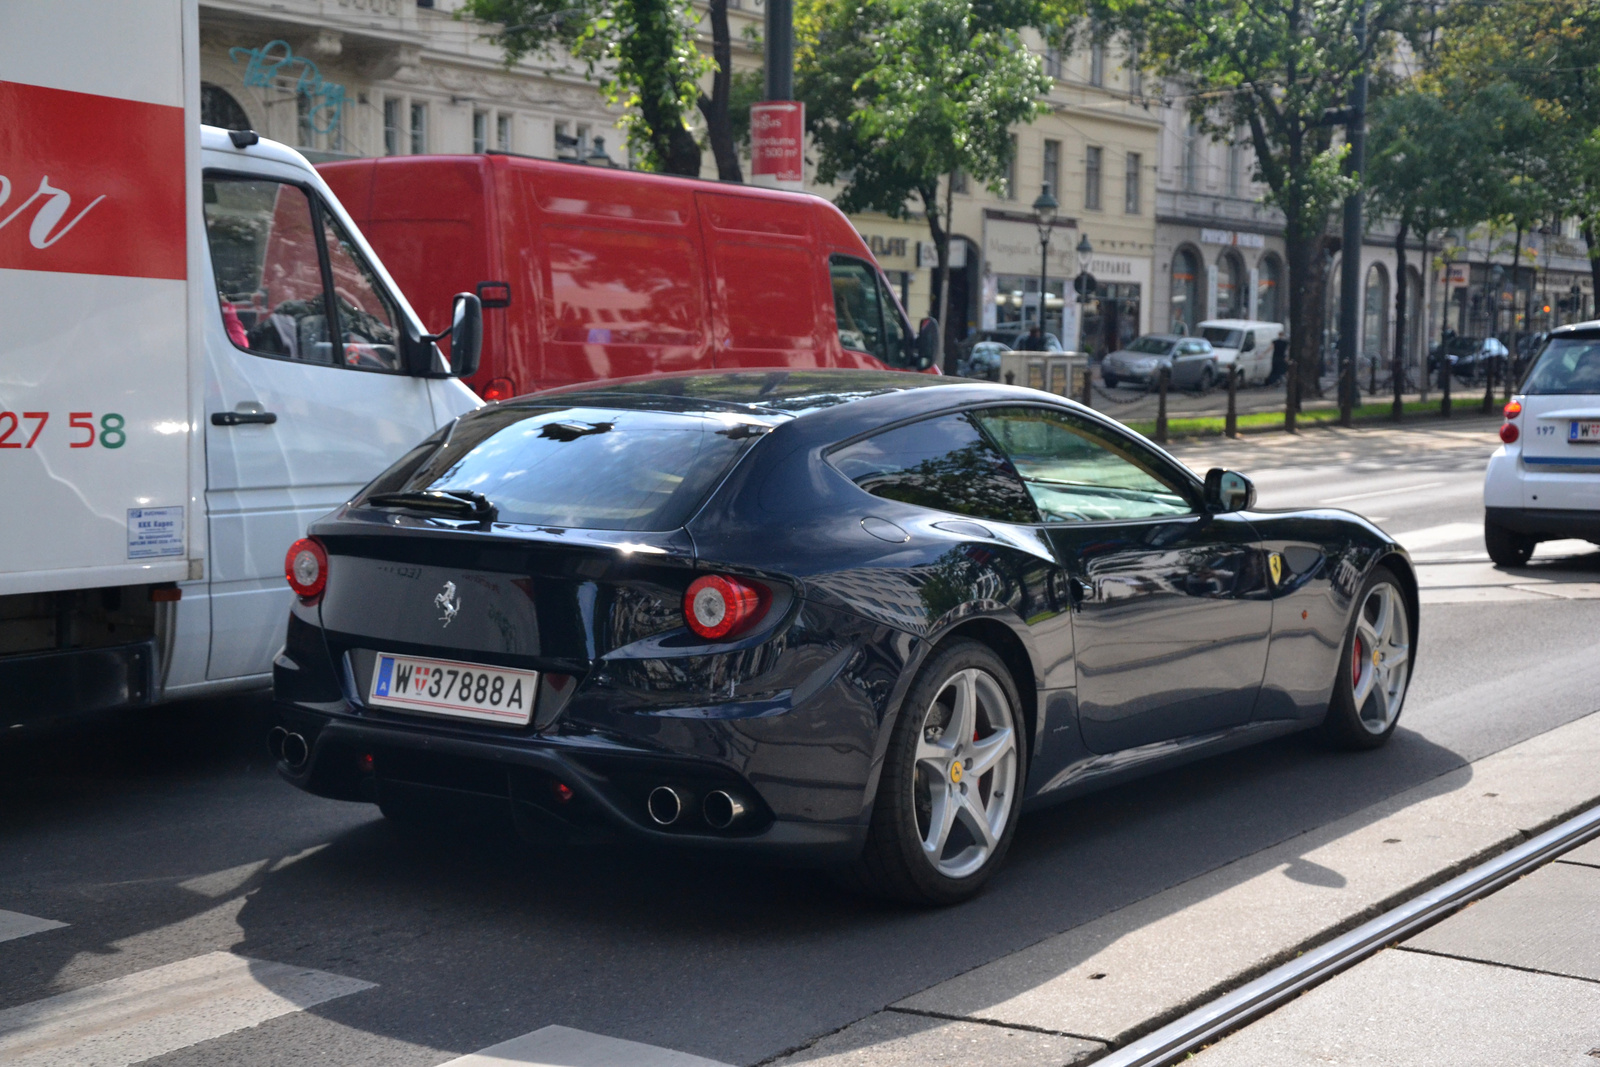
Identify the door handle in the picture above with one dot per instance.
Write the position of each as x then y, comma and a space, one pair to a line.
239, 418
1081, 589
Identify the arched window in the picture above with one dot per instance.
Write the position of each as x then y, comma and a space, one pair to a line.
1269, 290
1186, 312
1375, 320
1413, 313
1230, 286
219, 108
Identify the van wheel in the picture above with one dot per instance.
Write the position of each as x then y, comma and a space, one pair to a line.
951, 788
1506, 547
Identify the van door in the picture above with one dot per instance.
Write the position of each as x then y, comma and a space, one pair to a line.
763, 260
306, 402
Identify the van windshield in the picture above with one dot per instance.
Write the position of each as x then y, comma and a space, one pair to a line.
580, 467
1221, 337
1567, 365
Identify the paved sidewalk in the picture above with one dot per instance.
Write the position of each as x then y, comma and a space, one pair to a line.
1513, 979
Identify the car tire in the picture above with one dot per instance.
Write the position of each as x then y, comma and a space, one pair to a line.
938, 833
1109, 379
1507, 548
1374, 670
1208, 378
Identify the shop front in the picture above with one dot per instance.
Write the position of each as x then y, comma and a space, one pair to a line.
1012, 262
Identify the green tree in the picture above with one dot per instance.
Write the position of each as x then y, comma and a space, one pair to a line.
902, 94
645, 54
1275, 68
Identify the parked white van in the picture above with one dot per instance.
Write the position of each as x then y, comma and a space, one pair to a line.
1244, 342
201, 355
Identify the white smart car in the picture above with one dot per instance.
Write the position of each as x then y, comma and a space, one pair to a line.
1543, 483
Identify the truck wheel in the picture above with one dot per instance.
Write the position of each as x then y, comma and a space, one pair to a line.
1506, 547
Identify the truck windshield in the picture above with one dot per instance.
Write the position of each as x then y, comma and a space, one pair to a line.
1222, 337
1567, 365
580, 467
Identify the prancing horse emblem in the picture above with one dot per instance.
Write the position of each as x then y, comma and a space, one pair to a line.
447, 603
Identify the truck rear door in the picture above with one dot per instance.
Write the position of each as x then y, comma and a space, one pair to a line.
307, 400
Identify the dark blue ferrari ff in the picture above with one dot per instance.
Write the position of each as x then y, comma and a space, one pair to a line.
857, 618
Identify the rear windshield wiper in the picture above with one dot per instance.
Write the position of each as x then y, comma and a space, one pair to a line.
455, 503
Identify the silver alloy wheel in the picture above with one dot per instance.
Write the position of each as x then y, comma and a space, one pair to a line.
966, 771
1380, 658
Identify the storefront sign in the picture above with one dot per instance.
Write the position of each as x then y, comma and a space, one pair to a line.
928, 254
777, 134
1124, 269
1013, 248
1231, 237
1457, 274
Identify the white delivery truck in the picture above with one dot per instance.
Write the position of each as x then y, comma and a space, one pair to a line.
199, 354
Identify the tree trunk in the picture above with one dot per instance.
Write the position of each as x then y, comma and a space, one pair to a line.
1398, 362
1305, 299
719, 127
947, 351
941, 273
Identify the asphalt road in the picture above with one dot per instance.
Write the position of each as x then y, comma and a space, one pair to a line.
165, 837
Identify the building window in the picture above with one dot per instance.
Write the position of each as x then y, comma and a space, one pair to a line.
391, 126
1235, 167
480, 131
1097, 64
219, 108
1269, 287
304, 133
566, 144
1191, 159
1008, 189
502, 132
1052, 167
1135, 78
1230, 287
1052, 62
1130, 188
958, 181
1091, 177
1185, 311
419, 129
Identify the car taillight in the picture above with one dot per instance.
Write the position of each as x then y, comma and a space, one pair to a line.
717, 607
306, 567
1509, 432
498, 389
1513, 409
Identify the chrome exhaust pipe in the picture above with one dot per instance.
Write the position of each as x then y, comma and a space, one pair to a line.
665, 805
295, 751
721, 809
275, 738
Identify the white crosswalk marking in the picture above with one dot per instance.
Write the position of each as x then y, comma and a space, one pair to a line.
1444, 534
14, 924
561, 1046
150, 1013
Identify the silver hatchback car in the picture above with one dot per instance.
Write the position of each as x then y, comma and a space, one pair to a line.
1191, 361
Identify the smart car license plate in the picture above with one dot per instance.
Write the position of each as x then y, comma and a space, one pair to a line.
461, 690
1584, 432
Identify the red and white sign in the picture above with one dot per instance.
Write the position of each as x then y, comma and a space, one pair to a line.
90, 184
777, 136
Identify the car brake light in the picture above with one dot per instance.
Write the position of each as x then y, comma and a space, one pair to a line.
306, 567
1509, 432
718, 607
1513, 409
498, 389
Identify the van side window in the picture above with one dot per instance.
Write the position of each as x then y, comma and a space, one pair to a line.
1249, 341
270, 244
858, 305
896, 336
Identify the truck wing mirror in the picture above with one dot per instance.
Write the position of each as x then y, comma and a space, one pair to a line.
466, 343
928, 343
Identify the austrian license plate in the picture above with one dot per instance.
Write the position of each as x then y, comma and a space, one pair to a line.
1584, 432
460, 690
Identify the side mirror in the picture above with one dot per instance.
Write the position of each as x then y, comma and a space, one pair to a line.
466, 335
928, 343
1229, 491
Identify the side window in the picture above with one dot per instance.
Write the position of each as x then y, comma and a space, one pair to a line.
367, 320
896, 335
269, 272
1249, 341
1079, 472
943, 463
272, 250
857, 305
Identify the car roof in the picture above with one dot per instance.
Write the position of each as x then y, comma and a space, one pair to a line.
1578, 329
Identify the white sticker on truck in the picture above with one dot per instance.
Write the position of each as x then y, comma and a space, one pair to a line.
155, 532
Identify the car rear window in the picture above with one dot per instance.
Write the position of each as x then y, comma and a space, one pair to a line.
1151, 346
1567, 365
1223, 338
582, 467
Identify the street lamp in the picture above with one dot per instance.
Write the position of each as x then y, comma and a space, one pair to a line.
1044, 217
1083, 283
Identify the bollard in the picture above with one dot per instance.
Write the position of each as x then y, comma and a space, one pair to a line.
1444, 391
1088, 386
1161, 405
1397, 377
1291, 375
1231, 426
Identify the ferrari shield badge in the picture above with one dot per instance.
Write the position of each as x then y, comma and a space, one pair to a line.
1275, 565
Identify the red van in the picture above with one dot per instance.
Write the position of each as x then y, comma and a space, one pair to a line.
600, 273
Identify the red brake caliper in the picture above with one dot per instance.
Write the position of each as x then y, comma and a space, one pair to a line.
1357, 655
